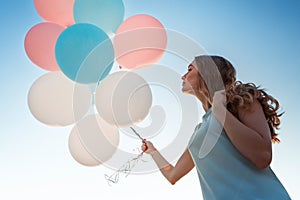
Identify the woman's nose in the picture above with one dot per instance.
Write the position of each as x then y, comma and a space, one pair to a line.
183, 77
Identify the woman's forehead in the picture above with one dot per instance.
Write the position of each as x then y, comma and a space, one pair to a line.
194, 63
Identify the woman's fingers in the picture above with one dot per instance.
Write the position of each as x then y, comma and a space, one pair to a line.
144, 145
147, 146
219, 97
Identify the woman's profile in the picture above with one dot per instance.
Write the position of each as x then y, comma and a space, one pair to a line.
232, 146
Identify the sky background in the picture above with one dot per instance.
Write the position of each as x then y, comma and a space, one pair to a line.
260, 37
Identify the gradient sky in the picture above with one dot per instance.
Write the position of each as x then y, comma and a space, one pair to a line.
260, 37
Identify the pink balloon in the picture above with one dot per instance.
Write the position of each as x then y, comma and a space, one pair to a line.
40, 43
140, 40
56, 11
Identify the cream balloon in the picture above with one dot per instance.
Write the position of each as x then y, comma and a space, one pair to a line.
79, 152
123, 98
93, 141
55, 100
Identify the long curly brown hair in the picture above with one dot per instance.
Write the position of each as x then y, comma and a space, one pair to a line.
219, 74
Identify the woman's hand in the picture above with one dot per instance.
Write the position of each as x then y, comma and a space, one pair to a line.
148, 147
218, 104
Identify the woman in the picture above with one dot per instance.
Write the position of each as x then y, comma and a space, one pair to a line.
232, 146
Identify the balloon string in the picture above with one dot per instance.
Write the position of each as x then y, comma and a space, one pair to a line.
126, 169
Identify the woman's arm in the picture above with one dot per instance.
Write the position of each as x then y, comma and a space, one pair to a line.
171, 173
250, 134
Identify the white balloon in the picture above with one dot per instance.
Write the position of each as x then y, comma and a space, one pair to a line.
55, 100
123, 98
93, 141
79, 152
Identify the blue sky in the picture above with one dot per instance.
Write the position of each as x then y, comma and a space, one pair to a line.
261, 39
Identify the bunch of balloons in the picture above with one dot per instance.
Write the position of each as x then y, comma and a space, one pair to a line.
77, 45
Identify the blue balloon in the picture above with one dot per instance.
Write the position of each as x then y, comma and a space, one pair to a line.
84, 53
106, 14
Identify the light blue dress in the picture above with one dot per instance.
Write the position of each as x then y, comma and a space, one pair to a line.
224, 173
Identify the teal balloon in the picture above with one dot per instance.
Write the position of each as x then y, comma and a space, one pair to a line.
84, 53
106, 14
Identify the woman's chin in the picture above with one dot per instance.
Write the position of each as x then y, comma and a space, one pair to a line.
183, 90
186, 91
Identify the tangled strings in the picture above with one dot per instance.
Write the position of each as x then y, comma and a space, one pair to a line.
126, 168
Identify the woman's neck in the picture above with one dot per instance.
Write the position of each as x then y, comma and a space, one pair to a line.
206, 106
204, 101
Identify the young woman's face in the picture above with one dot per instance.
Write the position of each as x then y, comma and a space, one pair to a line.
191, 80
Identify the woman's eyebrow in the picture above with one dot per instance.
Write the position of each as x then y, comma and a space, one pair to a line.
190, 65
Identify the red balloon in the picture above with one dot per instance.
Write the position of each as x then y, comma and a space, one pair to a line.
56, 11
140, 40
40, 43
